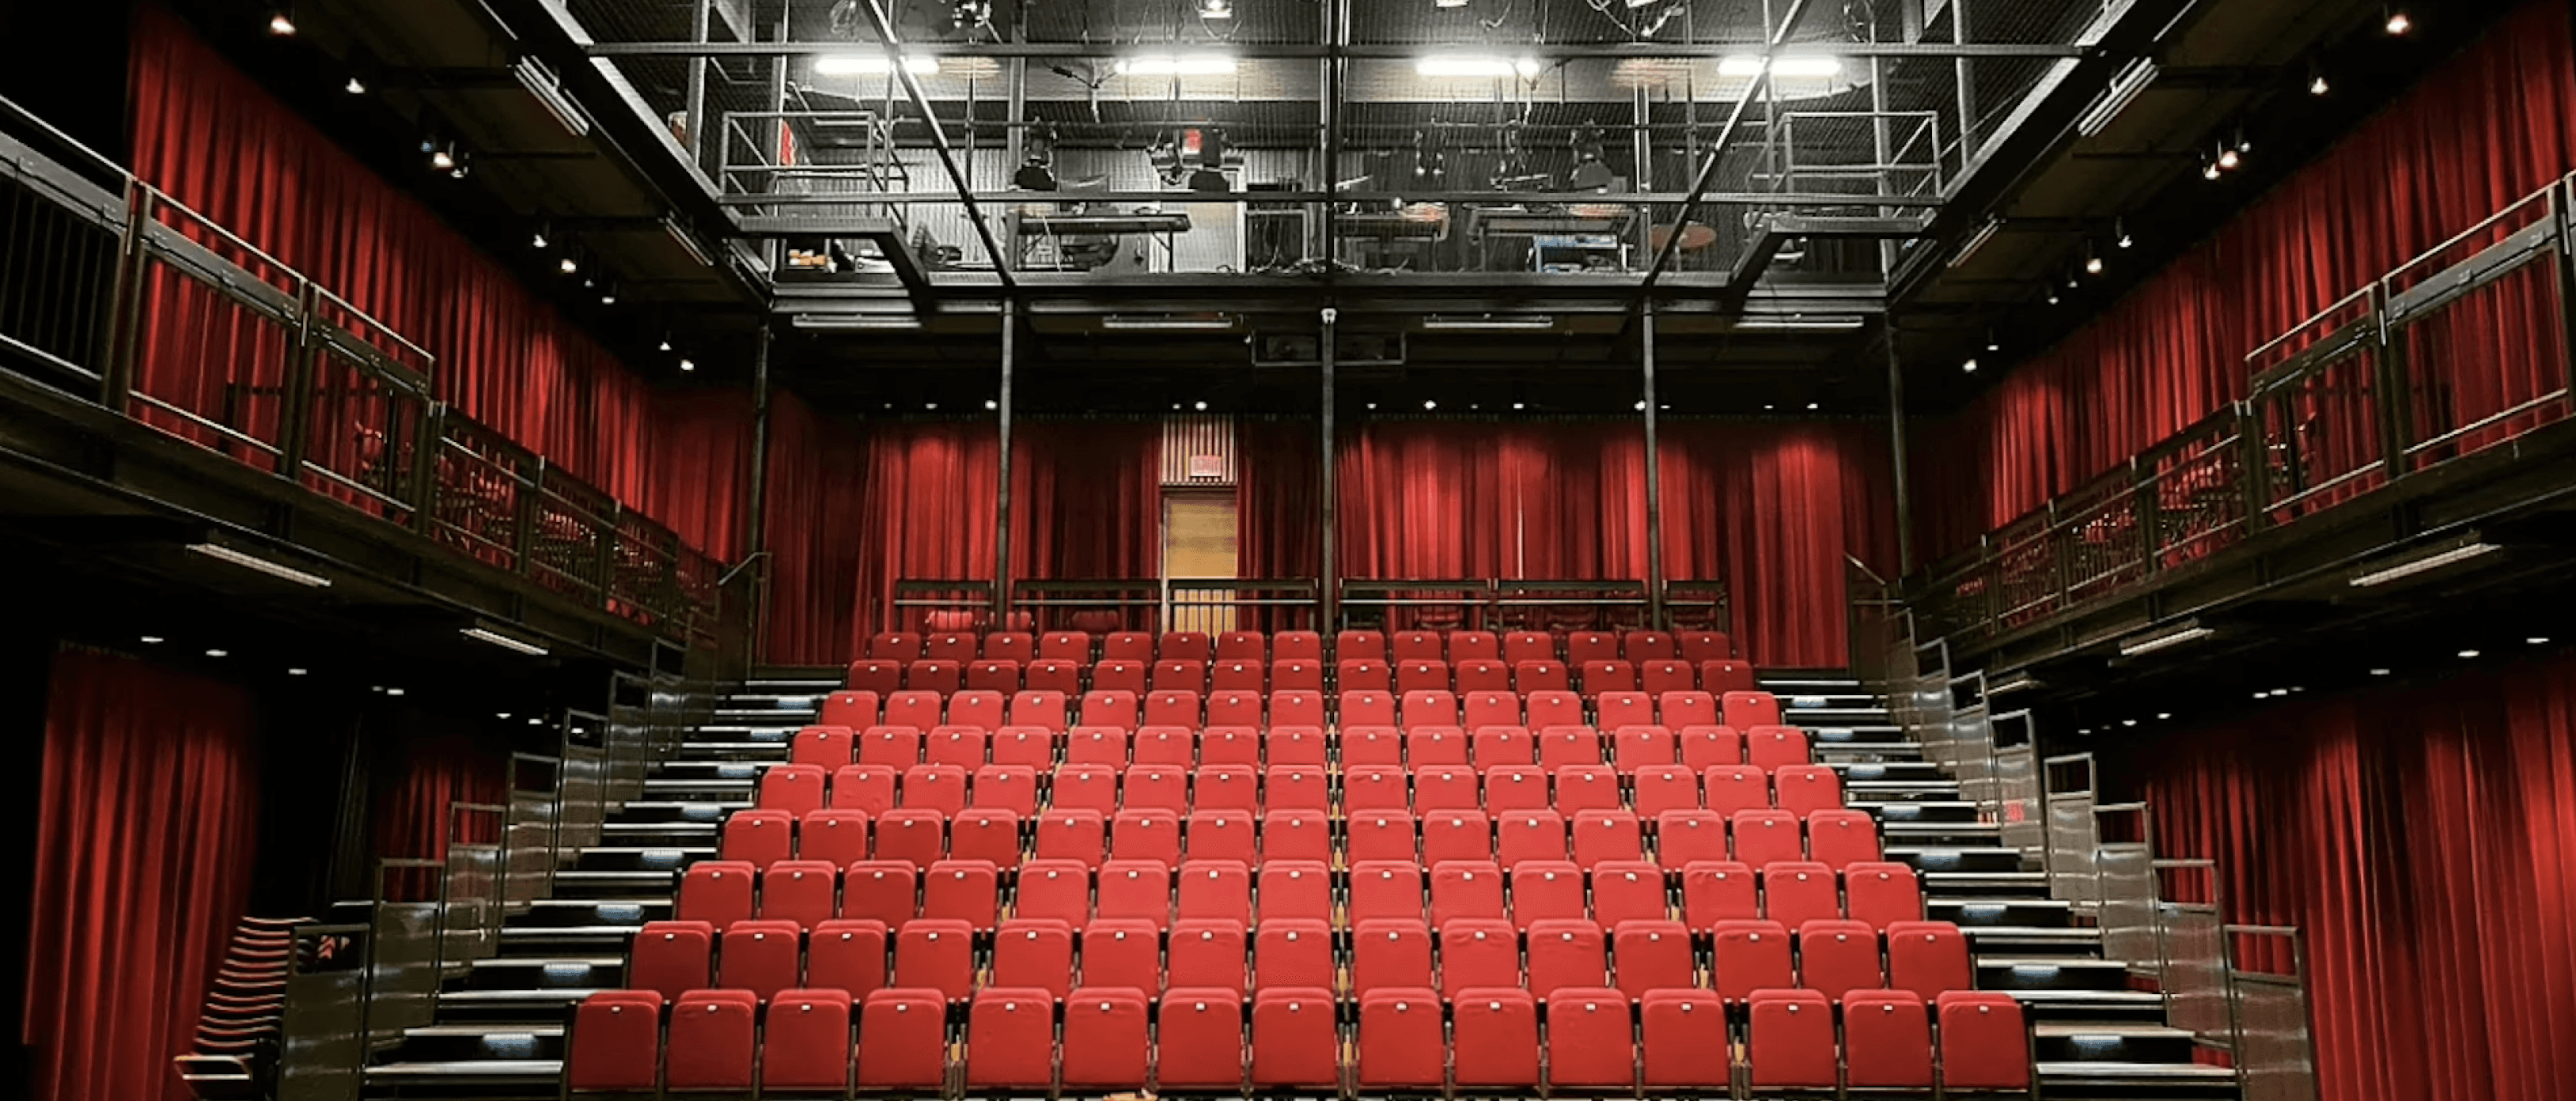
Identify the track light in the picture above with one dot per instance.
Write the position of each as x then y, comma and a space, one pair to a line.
252, 562
281, 23
686, 366
2121, 226
2317, 85
538, 239
608, 293
2243, 144
443, 156
2052, 295
2092, 261
2209, 170
355, 87
1216, 9
1992, 344
2229, 158
666, 345
1970, 367
2396, 21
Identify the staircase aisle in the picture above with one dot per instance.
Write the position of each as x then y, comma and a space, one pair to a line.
499, 1030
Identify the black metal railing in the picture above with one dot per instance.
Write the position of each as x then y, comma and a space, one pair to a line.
114, 293
2461, 349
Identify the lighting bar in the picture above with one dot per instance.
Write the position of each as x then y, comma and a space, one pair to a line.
1746, 66
855, 321
871, 65
1170, 324
503, 641
1183, 65
2123, 91
2018, 682
1489, 323
2148, 644
1977, 241
1470, 66
1798, 324
688, 243
2392, 571
542, 83
282, 572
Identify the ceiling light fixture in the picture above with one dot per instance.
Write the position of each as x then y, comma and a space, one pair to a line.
1992, 345
2317, 85
538, 239
2387, 570
2120, 226
855, 321
2468, 653
1170, 322
1216, 9
686, 366
2187, 631
443, 156
1171, 65
2230, 158
295, 671
355, 87
666, 345
1428, 404
1199, 405
496, 638
1460, 65
871, 65
2092, 261
608, 293
2396, 21
567, 265
151, 640
281, 23
1487, 323
279, 570
218, 653
2017, 682
1969, 367
2209, 170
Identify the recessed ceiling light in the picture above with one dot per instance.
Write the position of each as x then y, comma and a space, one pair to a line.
991, 404
1200, 406
2379, 672
393, 691
686, 365
2468, 653
151, 640
1970, 367
1430, 404
2128, 722
355, 87
295, 671
283, 25
218, 653
1518, 405
2164, 714
2398, 23
2538, 640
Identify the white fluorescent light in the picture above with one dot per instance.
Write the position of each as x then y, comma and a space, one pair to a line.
1794, 324
871, 65
1470, 66
1120, 321
1184, 65
1743, 66
2123, 91
542, 83
221, 553
2018, 682
1490, 323
504, 641
2384, 574
1977, 241
2132, 647
855, 321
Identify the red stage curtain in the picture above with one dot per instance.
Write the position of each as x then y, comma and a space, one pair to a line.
700, 468
2486, 129
818, 490
1773, 510
147, 826
1278, 498
209, 136
2422, 839
440, 764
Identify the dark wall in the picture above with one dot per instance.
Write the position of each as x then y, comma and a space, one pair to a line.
65, 61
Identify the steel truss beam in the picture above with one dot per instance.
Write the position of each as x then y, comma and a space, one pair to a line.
1300, 51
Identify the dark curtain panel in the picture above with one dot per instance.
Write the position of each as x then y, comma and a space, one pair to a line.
1278, 517
148, 826
2421, 838
1086, 498
699, 471
2484, 130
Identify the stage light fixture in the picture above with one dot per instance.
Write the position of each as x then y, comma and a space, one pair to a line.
2395, 21
1970, 367
1216, 9
2317, 85
281, 23
538, 239
686, 365
2120, 226
355, 87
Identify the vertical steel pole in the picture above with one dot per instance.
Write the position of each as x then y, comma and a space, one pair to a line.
1967, 90
1654, 481
699, 32
1896, 445
1328, 579
755, 534
1002, 520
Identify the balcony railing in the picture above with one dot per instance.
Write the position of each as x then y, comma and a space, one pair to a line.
2457, 351
116, 294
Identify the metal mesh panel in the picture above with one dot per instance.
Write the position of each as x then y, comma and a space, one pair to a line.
402, 965
2126, 877
2194, 972
472, 919
2072, 841
2274, 1050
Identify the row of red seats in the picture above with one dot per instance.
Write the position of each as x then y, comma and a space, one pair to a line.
1120, 709
1104, 1039
1832, 956
1514, 646
1046, 710
1498, 754
1703, 893
1149, 801
885, 675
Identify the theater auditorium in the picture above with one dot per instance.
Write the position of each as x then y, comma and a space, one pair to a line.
1320, 550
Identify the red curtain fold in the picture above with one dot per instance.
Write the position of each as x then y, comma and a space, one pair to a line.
146, 831
817, 497
440, 765
2421, 838
700, 468
209, 136
1278, 517
2487, 128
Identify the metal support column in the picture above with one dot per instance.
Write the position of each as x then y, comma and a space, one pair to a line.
1654, 480
1002, 525
1896, 445
1328, 581
755, 535
699, 32
1967, 89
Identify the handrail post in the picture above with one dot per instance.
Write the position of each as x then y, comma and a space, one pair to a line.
523, 506
430, 442
295, 430
122, 341
2389, 371
2562, 210
2257, 461
2148, 509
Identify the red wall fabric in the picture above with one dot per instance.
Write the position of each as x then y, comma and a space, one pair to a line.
440, 765
2422, 839
147, 826
211, 138
2481, 132
818, 493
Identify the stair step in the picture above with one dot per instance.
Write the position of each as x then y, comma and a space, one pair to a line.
2161, 1076
651, 810
659, 858
1958, 858
468, 1072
